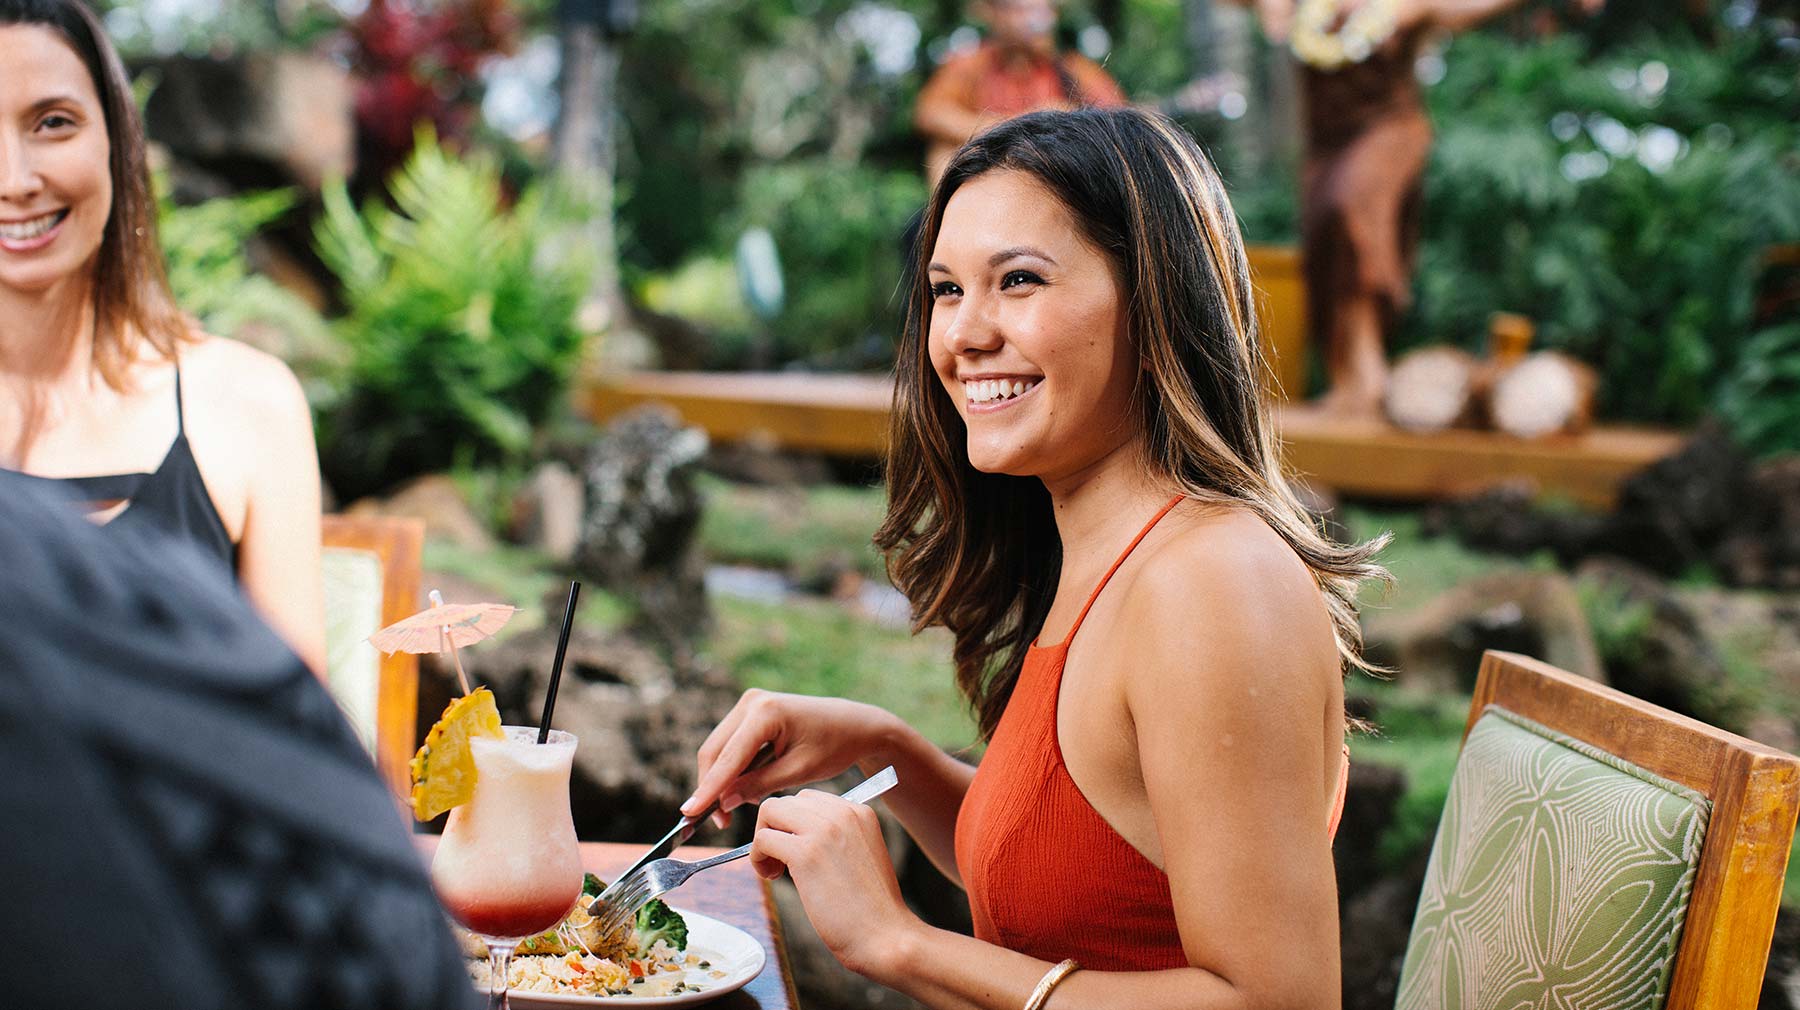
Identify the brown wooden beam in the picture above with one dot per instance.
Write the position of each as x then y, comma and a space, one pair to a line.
847, 415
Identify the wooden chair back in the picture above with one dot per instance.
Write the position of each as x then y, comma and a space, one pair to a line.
398, 546
1755, 795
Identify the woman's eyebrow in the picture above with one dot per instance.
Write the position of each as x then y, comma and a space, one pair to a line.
53, 100
1020, 250
1002, 256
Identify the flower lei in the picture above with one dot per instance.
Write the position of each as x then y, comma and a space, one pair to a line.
1366, 28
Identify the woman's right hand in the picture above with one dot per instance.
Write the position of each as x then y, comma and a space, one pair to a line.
813, 739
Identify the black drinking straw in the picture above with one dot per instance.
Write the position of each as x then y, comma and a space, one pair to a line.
562, 646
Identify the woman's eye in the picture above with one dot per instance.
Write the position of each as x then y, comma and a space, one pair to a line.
944, 289
56, 121
1017, 277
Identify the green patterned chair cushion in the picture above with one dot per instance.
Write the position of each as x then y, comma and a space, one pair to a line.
1559, 879
352, 614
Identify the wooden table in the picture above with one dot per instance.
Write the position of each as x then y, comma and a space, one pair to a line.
731, 893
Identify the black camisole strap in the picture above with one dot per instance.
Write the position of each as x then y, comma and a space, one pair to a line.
176, 499
173, 499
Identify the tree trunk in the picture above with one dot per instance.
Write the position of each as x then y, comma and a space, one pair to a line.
1221, 37
586, 151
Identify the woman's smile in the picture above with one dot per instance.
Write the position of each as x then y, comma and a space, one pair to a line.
988, 394
29, 234
56, 187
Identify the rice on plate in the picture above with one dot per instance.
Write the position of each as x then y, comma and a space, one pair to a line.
643, 958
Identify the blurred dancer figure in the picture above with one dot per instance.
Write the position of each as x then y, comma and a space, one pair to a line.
1016, 69
1367, 138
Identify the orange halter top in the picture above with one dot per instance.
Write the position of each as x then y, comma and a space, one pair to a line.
1046, 874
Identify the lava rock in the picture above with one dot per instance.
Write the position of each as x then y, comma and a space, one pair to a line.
639, 533
1439, 646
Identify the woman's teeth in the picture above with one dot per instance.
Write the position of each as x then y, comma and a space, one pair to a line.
27, 230
991, 390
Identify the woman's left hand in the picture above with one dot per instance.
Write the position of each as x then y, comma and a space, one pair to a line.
835, 854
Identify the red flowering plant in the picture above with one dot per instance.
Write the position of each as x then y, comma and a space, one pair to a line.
419, 62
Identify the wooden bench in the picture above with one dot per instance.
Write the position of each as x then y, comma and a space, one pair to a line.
847, 415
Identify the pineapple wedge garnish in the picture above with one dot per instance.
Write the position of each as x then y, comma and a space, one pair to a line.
443, 772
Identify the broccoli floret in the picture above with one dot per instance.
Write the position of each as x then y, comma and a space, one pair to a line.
591, 886
657, 921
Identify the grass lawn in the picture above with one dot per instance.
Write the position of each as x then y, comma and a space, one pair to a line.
1424, 567
525, 579
1790, 891
816, 647
1421, 734
797, 530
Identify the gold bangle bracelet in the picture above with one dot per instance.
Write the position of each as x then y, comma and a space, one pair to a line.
1041, 994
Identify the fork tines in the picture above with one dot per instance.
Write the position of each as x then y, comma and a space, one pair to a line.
634, 891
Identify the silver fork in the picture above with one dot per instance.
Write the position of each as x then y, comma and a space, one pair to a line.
654, 879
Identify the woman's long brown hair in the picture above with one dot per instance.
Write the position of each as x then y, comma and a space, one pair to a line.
979, 553
131, 296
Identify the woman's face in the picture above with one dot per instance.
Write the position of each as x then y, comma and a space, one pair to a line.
1028, 331
1021, 24
55, 188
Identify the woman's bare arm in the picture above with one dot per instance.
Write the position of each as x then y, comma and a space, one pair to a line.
262, 428
929, 811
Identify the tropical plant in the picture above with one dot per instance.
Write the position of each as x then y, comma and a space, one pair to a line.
1761, 399
839, 229
461, 331
203, 248
1624, 199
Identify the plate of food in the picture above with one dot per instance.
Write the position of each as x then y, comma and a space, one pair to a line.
666, 957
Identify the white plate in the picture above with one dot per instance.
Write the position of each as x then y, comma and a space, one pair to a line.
722, 945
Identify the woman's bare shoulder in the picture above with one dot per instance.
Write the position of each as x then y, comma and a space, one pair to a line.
248, 384
1214, 550
246, 414
1225, 589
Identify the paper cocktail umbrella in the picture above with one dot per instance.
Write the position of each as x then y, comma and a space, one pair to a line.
444, 627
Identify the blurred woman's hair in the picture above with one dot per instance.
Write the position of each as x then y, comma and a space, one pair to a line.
979, 553
131, 296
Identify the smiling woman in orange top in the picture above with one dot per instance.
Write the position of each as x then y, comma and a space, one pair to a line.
1153, 634
107, 393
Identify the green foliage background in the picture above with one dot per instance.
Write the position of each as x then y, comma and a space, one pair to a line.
1629, 219
213, 281
1618, 181
460, 329
771, 113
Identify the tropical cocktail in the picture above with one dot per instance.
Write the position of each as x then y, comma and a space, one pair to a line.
508, 866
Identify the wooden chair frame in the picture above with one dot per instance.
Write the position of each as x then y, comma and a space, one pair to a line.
1755, 794
400, 544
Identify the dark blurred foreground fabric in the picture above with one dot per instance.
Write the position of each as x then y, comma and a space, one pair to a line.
186, 820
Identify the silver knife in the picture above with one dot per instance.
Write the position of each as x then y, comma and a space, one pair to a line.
684, 828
